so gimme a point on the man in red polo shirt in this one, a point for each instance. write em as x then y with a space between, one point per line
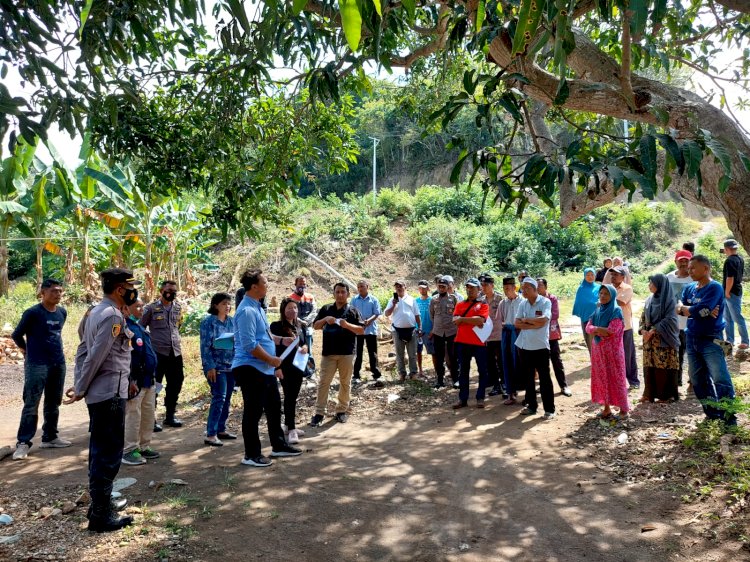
467 315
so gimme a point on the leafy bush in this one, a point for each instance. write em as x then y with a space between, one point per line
449 246
191 323
511 248
463 202
393 203
21 296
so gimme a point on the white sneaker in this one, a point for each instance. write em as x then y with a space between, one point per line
292 438
300 432
284 428
21 452
56 443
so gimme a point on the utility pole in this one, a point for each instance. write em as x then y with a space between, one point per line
374 166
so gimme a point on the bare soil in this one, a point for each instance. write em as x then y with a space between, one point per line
407 478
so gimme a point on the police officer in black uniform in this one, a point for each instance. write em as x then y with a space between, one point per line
101 377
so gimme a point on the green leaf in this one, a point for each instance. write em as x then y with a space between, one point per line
480 14
563 92
470 84
745 160
85 16
238 11
648 155
351 20
659 11
378 8
509 103
528 21
721 154
11 207
615 174
724 183
673 149
298 6
638 16
411 8
456 172
693 154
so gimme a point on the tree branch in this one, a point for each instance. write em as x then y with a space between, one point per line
736 5
627 87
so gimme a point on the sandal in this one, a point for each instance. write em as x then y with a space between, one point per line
509 401
603 416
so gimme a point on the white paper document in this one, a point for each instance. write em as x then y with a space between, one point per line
289 349
484 332
300 360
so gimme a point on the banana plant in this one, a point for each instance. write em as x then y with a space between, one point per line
35 221
13 172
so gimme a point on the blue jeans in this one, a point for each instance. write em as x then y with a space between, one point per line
221 397
709 375
732 316
41 379
465 352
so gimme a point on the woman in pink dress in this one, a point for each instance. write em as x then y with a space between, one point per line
609 386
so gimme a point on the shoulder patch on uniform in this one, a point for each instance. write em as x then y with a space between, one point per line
116 328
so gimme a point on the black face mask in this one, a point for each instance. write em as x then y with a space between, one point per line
168 295
130 296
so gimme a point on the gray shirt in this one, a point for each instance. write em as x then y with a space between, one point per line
441 313
103 356
164 325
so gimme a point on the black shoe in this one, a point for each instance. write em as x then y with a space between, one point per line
317 420
439 385
173 422
287 451
356 381
378 384
157 428
341 417
226 435
109 524
118 504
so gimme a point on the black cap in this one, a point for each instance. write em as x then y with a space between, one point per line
509 281
423 283
486 278
118 275
731 243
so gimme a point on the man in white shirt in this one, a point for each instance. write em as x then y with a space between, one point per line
405 318
678 279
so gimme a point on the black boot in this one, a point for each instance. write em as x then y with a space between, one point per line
118 504
102 519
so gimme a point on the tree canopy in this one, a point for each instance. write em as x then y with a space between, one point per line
553 80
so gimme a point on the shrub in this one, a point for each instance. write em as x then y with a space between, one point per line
22 295
463 202
512 248
393 203
450 246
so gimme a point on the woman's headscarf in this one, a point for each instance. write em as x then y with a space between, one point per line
587 296
660 312
605 313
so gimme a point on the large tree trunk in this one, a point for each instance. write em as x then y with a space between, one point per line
687 113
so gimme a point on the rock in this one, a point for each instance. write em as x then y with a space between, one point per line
5 451
84 498
68 507
177 482
463 547
5 519
45 512
122 483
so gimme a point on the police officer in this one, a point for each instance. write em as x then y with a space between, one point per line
163 317
101 377
444 331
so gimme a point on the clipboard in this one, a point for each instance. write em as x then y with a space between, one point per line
225 341
484 332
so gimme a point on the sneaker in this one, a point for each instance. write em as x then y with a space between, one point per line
260 461
173 422
356 381
549 415
226 435
377 384
158 427
528 412
133 458
317 420
56 443
480 403
287 451
292 438
149 454
456 384
438 385
566 392
341 417
21 452
458 405
213 441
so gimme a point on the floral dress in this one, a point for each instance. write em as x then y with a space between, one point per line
608 382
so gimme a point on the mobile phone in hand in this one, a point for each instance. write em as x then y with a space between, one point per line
395 297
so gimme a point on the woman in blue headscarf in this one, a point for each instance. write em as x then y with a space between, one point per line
584 304
661 342
609 386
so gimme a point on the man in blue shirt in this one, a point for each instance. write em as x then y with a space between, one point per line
255 368
369 309
703 304
39 337
424 342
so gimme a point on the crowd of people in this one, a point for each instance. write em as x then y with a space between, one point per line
128 349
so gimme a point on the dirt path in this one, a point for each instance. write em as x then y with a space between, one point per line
396 483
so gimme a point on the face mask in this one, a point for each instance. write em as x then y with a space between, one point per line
168 296
299 290
130 296
133 318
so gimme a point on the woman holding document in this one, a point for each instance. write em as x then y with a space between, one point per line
217 353
291 326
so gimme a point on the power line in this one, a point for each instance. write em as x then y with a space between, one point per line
93 235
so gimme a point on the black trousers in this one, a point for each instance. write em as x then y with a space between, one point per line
557 364
291 383
444 346
537 360
260 393
683 344
107 428
170 367
495 364
372 353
